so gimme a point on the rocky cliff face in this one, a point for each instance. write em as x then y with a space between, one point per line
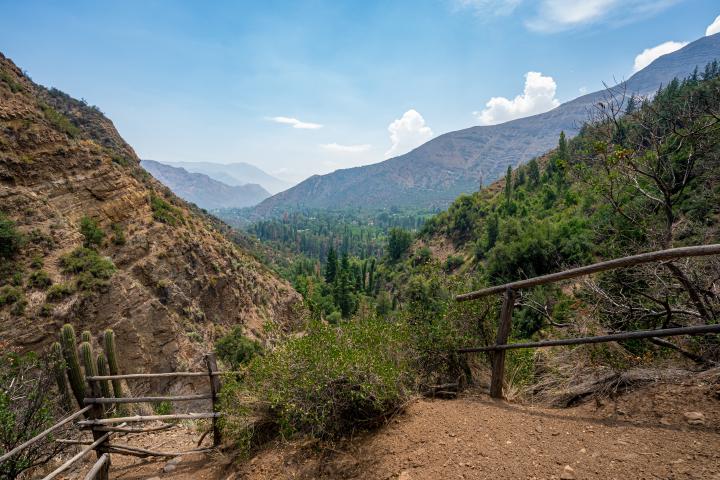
178 284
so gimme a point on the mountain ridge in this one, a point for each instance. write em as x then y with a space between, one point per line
435 173
234 174
204 191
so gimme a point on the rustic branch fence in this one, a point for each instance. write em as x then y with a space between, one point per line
103 426
509 293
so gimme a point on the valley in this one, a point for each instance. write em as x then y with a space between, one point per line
210 320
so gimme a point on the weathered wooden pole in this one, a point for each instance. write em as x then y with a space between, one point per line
498 357
211 363
97 413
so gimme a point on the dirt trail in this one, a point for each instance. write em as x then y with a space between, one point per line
642 435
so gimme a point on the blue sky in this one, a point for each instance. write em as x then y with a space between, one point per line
307 87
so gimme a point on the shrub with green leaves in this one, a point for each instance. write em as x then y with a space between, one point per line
92 234
60 121
59 291
236 349
10 239
164 212
326 383
92 269
10 295
39 279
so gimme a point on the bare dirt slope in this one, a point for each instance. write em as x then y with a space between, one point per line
644 434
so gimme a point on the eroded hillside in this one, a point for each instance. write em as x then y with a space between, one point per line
177 283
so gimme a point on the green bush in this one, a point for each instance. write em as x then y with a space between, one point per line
93 235
324 384
59 291
92 269
236 349
10 295
10 239
118 234
399 240
452 263
164 212
39 279
60 121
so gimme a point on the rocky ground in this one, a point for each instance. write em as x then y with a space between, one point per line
664 430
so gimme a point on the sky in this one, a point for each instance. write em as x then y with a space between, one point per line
307 87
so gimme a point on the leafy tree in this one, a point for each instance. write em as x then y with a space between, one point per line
399 242
508 184
236 349
533 173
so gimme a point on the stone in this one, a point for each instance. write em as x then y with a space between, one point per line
568 473
694 418
404 475
169 467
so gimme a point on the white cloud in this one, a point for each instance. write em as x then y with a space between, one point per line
537 97
408 132
489 7
296 123
647 56
337 148
558 15
714 27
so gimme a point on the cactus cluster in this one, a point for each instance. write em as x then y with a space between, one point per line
68 357
58 366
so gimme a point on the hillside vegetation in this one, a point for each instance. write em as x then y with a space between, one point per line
641 175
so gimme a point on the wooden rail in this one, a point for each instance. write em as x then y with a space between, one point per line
102 428
509 289
660 255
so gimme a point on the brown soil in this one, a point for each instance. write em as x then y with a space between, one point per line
643 434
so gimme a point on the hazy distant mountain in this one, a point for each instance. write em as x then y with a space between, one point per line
203 191
437 172
235 174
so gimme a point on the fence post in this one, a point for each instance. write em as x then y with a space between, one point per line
211 363
98 412
498 357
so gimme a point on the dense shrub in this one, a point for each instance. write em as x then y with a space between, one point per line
10 295
399 240
118 234
10 238
92 269
164 212
92 234
59 291
39 279
236 349
326 383
60 121
27 407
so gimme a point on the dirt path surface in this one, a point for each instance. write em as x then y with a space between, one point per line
664 431
644 435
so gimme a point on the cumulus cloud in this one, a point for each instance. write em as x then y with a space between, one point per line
558 15
338 148
489 7
714 27
296 123
647 56
407 132
537 97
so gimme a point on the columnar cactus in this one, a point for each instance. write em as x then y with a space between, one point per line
109 341
72 362
103 370
86 336
88 359
58 366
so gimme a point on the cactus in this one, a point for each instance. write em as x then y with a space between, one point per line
72 362
58 366
86 336
88 359
109 340
102 368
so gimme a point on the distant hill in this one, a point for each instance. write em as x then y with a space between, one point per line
203 191
435 173
235 174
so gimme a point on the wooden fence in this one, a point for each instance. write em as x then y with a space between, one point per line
104 427
509 292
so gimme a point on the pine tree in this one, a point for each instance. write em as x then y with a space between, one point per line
534 173
331 266
493 229
562 148
508 184
371 278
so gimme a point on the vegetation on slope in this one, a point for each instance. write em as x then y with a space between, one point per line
641 176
